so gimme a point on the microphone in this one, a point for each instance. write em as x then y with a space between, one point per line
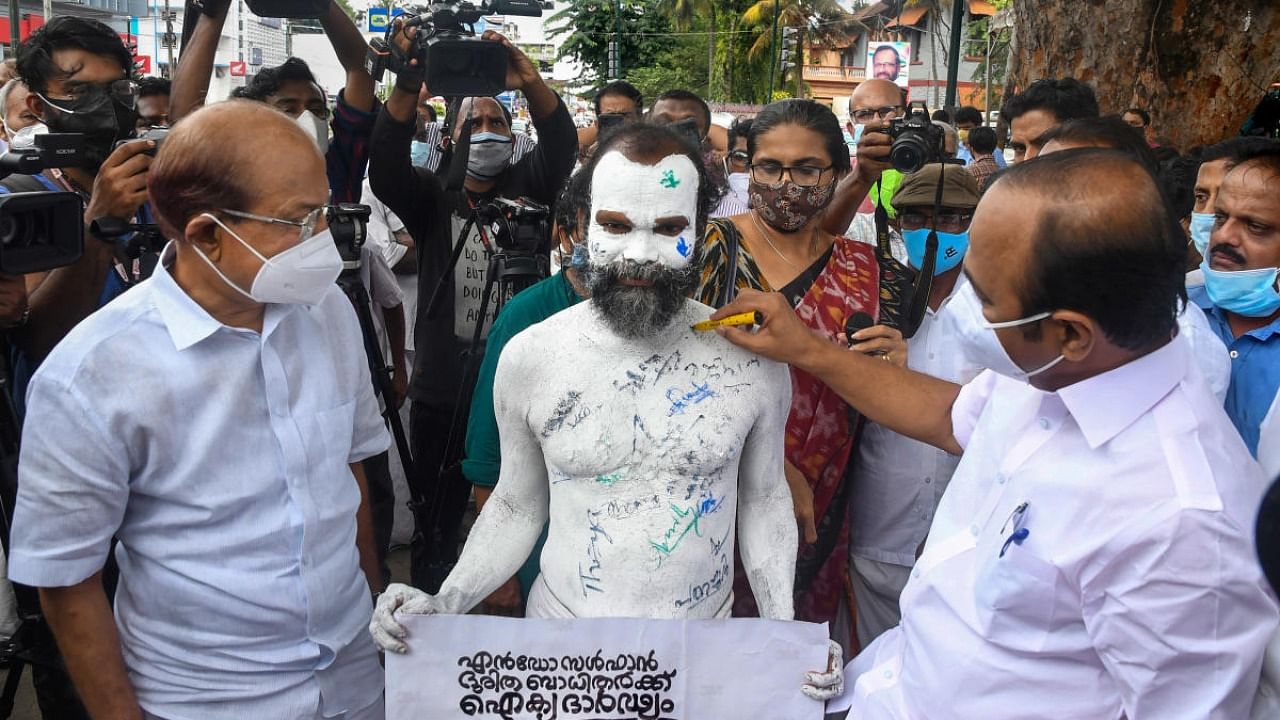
857 322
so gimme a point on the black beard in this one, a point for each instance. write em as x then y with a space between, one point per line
637 312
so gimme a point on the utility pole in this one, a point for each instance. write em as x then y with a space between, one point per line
953 63
48 10
14 37
169 37
773 49
615 55
986 106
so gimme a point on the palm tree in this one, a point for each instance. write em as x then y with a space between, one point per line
682 13
822 23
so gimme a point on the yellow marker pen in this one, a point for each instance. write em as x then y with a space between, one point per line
754 317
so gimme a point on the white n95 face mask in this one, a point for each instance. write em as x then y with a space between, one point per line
300 275
315 127
978 340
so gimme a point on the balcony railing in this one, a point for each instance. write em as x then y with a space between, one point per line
834 73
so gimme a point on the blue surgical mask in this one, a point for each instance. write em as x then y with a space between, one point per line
1251 293
1201 229
419 152
951 248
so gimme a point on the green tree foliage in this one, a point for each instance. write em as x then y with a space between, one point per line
590 25
683 64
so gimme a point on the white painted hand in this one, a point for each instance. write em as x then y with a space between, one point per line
830 684
388 634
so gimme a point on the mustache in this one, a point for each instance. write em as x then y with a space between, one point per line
1228 252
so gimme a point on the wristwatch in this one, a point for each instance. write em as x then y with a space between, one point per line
26 315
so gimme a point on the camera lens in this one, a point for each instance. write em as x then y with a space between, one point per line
19 231
908 154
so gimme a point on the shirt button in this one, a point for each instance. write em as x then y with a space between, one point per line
1000 479
928 480
973 530
888 674
915 573
1235 354
931 356
1044 423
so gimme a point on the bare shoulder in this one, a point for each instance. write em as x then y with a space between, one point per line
712 344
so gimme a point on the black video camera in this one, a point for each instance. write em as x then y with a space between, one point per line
348 223
457 64
155 134
41 230
519 226
916 140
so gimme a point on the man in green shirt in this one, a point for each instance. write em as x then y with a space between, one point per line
483 452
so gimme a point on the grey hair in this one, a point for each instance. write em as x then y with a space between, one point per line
4 96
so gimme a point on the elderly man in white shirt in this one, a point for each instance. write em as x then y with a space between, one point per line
1092 557
213 420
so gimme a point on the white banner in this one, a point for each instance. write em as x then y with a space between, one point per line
476 666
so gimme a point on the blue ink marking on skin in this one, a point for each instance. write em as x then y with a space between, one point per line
680 402
589 578
683 248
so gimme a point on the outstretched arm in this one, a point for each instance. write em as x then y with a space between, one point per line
907 402
767 535
350 47
191 79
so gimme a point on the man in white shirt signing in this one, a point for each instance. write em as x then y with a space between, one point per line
1092 557
213 420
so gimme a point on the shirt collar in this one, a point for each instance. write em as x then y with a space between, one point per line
1200 296
186 321
1106 404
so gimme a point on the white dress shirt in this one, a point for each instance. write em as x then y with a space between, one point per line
897 481
382 228
1135 590
219 458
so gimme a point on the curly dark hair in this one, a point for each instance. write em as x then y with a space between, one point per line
269 80
35 56
149 86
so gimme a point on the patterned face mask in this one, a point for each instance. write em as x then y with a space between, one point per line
788 207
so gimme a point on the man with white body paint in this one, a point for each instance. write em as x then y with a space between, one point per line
651 448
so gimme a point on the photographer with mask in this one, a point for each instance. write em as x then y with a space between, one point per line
435 217
80 77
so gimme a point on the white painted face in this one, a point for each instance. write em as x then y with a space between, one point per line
643 213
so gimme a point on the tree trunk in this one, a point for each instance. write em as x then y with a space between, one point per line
731 58
1198 67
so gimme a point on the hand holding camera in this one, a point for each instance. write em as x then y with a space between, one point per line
13 300
121 185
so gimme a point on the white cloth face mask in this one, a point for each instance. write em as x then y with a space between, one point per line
299 275
643 194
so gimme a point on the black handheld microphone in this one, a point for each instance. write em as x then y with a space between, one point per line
857 322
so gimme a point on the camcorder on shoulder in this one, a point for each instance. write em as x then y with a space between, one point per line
40 229
916 140
457 64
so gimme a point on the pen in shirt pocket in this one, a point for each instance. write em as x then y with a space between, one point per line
1018 521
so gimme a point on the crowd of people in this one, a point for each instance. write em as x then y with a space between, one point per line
1004 425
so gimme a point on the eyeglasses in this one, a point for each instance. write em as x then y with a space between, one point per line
124 92
739 156
306 226
879 113
948 220
770 173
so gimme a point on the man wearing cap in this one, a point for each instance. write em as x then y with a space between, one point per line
897 481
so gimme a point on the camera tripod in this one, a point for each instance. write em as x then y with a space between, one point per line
506 275
379 372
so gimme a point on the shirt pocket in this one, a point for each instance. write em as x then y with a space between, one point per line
1016 599
329 433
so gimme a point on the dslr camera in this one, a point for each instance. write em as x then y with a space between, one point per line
916 140
41 230
457 64
521 227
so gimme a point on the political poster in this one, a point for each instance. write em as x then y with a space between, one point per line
889 61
